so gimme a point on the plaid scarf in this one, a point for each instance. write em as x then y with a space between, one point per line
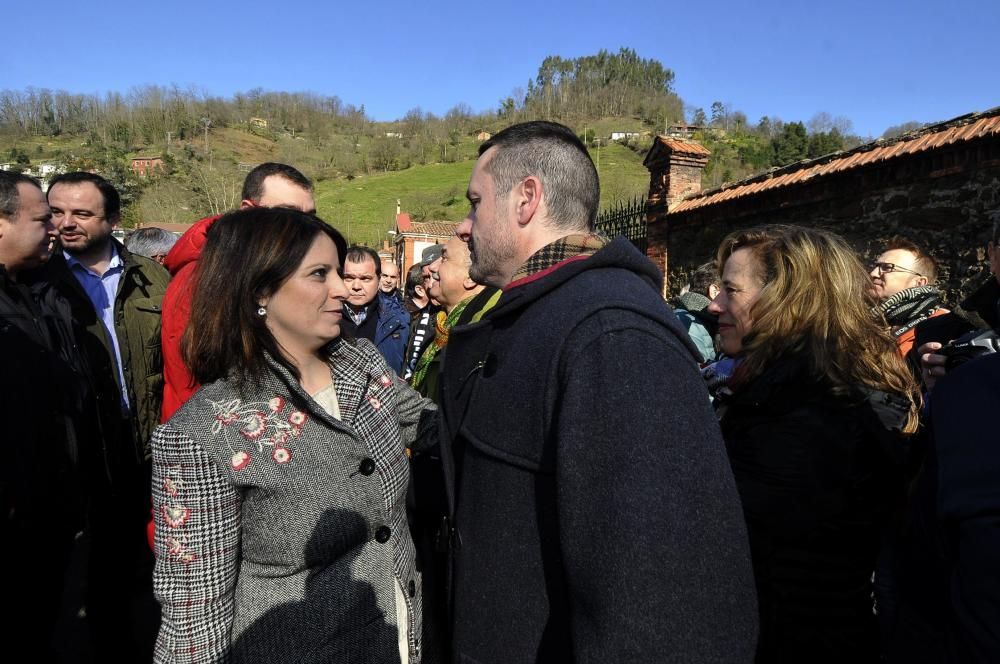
560 250
908 307
443 326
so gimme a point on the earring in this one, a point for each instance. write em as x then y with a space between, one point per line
261 311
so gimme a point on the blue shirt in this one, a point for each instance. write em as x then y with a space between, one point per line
102 289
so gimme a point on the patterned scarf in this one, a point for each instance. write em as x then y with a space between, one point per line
904 310
558 251
443 326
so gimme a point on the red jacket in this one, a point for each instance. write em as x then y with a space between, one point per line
178 384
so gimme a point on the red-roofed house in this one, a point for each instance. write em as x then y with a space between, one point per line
412 237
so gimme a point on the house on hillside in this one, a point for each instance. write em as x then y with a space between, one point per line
938 185
623 135
483 136
412 237
143 166
44 171
393 134
260 123
682 130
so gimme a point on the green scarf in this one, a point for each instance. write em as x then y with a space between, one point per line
439 342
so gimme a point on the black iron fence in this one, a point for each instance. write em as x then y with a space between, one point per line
626 218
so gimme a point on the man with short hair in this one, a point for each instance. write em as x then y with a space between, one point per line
268 185
414 291
389 280
591 502
153 243
904 279
422 320
367 315
116 299
45 399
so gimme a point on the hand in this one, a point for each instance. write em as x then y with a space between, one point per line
931 364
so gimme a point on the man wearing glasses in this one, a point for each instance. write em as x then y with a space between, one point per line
904 281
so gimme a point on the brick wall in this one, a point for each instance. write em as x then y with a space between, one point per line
946 199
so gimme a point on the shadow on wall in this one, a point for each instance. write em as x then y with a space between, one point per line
338 621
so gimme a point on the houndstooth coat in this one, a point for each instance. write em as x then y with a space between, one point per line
280 531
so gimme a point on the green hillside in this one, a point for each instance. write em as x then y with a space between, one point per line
365 207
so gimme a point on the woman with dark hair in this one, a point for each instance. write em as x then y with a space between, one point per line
279 487
814 418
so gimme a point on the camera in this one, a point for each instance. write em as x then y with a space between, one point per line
968 347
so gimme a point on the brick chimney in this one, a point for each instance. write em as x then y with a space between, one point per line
675 168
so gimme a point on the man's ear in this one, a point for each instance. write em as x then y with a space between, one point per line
713 291
114 220
247 203
528 197
922 281
468 283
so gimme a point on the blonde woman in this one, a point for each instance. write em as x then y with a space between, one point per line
814 422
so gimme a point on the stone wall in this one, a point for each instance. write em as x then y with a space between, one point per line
945 199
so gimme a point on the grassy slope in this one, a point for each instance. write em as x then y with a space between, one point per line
365 207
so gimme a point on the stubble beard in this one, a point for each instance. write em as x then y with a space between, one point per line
485 266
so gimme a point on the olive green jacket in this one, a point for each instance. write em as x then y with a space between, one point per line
137 314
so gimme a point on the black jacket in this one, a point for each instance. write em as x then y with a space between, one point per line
947 574
595 516
819 476
46 410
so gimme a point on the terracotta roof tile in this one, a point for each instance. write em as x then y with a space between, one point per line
683 147
957 130
435 228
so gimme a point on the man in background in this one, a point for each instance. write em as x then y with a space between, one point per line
423 319
389 281
153 243
116 299
267 185
368 315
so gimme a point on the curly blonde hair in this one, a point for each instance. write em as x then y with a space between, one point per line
817 301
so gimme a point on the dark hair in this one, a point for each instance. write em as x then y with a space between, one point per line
556 156
248 255
253 185
150 242
112 201
923 261
357 253
705 275
10 200
414 278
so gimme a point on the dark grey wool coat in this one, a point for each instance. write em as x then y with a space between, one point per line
596 515
281 531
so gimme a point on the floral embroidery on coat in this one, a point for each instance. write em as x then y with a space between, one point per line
264 423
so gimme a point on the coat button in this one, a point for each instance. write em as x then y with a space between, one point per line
383 534
367 467
412 588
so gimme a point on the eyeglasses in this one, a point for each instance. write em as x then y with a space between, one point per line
886 268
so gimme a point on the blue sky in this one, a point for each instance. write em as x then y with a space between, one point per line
877 62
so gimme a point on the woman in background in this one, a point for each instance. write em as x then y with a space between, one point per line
814 418
279 487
